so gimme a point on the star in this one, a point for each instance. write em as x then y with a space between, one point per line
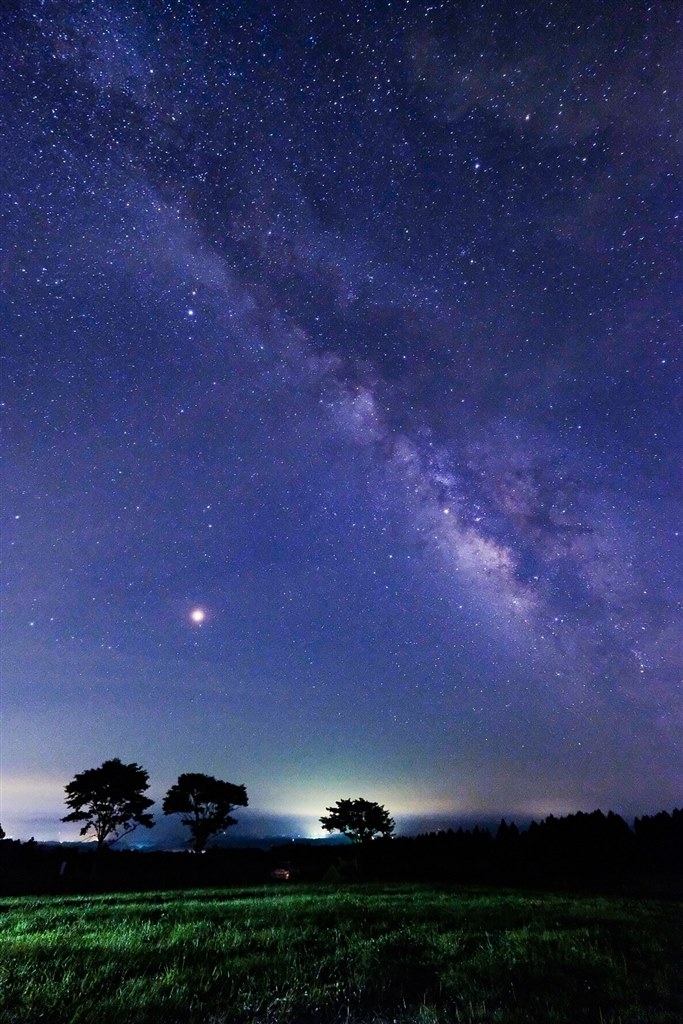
197 615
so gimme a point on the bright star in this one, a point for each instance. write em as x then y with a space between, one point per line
198 615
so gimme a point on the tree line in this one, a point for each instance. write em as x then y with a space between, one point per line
110 802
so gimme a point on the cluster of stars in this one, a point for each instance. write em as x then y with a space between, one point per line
355 325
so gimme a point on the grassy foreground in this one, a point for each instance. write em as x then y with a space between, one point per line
401 953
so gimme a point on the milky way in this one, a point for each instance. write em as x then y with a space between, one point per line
342 378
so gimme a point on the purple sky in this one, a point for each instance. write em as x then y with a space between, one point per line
354 327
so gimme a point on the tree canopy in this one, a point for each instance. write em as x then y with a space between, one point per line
109 800
205 805
360 820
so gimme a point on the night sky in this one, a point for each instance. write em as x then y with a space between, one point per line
352 329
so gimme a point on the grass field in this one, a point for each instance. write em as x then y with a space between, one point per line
400 953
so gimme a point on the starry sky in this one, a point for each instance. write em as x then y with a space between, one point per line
354 330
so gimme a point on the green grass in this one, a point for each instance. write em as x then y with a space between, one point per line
400 953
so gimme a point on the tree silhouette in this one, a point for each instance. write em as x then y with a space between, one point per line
360 820
109 800
205 805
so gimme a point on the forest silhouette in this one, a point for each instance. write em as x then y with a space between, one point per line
594 850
